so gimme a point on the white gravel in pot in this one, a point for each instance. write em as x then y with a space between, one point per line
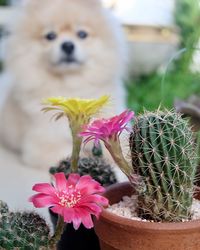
127 208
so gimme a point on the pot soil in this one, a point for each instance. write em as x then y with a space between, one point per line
116 232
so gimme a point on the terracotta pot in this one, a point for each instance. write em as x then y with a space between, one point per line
116 232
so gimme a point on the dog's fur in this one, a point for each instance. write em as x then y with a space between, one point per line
37 72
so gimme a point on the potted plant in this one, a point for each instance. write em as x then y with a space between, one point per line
162 176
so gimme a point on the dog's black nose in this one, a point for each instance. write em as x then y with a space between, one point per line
68 47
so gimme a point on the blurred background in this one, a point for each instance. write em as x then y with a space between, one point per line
163 43
163 69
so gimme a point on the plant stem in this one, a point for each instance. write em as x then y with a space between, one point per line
115 150
77 141
58 233
75 154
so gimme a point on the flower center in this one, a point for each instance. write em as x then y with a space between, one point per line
69 198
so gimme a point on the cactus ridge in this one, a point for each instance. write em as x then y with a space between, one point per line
164 155
24 231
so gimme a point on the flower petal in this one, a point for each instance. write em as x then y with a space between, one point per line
60 181
44 188
86 219
68 214
71 215
58 210
92 208
77 218
89 186
42 200
73 179
95 198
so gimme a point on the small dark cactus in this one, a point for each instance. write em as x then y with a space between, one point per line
95 166
164 155
23 230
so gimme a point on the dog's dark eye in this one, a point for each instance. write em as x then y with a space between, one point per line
51 36
82 34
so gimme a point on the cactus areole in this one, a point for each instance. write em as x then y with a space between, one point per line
164 155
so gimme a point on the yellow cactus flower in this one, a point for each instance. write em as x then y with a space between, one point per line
78 111
75 108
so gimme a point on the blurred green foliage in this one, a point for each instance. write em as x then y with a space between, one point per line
150 91
187 17
3 2
178 81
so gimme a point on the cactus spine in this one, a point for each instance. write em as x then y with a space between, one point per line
22 230
164 155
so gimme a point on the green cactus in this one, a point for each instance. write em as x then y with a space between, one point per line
165 157
24 231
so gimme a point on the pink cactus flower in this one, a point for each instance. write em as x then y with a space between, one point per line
109 130
105 129
75 198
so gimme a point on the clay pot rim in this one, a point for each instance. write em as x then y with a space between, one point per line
110 217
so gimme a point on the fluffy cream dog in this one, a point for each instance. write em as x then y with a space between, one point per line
70 48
